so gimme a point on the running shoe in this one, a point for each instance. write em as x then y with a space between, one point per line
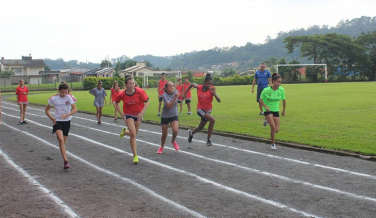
261 113
122 134
159 115
209 143
24 122
265 122
135 160
176 146
190 136
20 123
116 120
66 165
274 147
160 150
189 113
99 123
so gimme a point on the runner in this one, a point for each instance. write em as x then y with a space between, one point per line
205 95
61 123
22 91
100 95
180 89
270 98
135 103
74 99
188 96
170 115
161 84
114 92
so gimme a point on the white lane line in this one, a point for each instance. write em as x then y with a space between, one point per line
239 149
312 185
143 188
255 197
43 189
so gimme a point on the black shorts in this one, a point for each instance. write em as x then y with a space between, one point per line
131 117
166 121
188 101
201 113
160 99
275 114
180 101
63 126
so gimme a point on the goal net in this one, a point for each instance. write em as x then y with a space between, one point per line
303 65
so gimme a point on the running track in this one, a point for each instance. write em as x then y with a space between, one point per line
233 178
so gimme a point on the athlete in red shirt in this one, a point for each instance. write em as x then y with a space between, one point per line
22 91
180 88
135 103
205 95
114 92
161 85
187 96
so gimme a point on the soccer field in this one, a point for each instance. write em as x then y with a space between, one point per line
338 116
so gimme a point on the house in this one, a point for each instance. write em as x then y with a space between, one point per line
26 68
100 72
140 69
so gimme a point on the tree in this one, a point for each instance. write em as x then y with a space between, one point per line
6 73
190 75
228 72
105 63
128 63
47 68
368 42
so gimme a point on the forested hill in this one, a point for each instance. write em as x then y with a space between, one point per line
253 54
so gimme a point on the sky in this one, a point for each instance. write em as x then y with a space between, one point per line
91 30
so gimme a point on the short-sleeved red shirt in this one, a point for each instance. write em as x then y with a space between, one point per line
161 86
22 98
180 90
205 99
114 93
188 96
134 103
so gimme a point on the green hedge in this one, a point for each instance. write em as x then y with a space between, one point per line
42 87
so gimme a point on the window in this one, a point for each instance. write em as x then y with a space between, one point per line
17 70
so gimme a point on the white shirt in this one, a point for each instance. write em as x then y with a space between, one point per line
62 106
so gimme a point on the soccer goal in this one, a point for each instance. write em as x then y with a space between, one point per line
145 81
303 65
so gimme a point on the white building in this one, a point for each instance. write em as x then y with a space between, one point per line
25 68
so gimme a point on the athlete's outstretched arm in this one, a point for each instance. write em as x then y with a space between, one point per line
215 94
193 85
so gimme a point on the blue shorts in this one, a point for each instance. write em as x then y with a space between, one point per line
201 113
131 117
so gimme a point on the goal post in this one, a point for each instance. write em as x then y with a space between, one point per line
145 81
291 65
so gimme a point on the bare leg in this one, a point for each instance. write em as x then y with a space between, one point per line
200 127
97 108
100 113
260 106
189 107
21 113
164 134
133 129
115 117
272 125
175 130
181 107
211 120
62 139
24 111
159 107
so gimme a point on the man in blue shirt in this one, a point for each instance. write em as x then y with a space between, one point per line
263 79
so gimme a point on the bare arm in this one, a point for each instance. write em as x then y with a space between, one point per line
141 114
284 107
117 106
253 84
169 105
193 85
215 95
263 104
47 110
73 111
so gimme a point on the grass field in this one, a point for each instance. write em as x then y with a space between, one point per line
338 116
